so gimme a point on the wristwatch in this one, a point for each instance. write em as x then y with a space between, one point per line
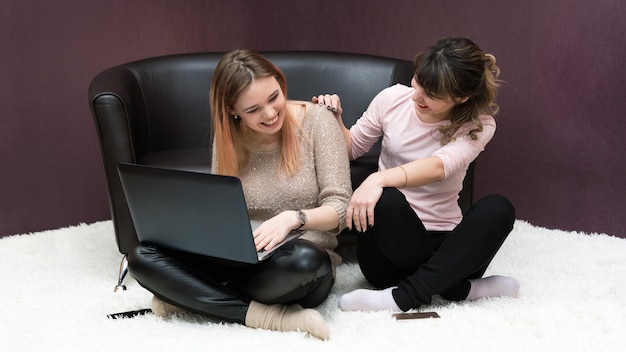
302 217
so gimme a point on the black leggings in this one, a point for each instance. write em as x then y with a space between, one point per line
299 272
399 251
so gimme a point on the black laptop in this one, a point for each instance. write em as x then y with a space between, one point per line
190 211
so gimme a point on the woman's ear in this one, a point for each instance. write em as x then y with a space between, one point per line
461 100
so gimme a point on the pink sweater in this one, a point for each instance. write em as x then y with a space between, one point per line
391 115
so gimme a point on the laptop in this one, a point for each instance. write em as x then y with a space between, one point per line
194 212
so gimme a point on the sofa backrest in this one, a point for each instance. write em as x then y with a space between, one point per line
168 96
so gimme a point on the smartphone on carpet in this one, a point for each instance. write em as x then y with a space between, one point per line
415 315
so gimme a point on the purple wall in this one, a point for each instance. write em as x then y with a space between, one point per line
557 154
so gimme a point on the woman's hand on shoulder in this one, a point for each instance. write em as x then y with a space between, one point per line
332 103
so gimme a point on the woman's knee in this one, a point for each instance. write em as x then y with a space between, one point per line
503 204
140 256
298 271
149 264
390 200
302 257
500 209
142 266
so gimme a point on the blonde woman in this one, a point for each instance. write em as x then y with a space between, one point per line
285 153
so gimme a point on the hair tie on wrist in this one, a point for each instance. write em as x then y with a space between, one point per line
406 177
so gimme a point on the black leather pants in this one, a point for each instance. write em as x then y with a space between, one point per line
299 272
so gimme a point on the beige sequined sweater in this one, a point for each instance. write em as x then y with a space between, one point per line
322 179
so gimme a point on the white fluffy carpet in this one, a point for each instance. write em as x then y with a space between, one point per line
57 288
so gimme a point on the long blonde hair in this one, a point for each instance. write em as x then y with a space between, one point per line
233 74
457 68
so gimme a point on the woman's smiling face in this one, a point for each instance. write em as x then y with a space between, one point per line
428 108
261 106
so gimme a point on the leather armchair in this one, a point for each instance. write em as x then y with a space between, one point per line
156 112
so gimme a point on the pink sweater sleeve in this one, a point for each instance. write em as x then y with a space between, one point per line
458 154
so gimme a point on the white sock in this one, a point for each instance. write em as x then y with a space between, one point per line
493 286
369 300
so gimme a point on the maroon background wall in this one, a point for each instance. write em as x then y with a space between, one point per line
558 154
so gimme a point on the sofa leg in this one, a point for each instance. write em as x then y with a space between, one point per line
122 275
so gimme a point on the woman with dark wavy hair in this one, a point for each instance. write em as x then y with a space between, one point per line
414 241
